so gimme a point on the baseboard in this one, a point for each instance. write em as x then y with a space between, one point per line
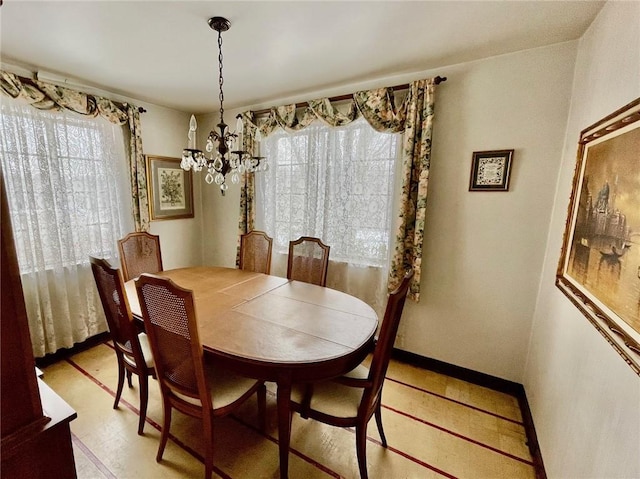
488 381
532 437
63 353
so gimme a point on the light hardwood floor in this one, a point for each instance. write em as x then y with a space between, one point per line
436 426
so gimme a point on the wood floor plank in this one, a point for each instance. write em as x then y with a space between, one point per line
436 427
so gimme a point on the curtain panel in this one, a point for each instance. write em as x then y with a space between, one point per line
247 184
45 96
413 118
68 200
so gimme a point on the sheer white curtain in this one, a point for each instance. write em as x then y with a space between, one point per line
68 194
337 184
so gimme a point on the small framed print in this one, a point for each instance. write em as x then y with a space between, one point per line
490 170
170 189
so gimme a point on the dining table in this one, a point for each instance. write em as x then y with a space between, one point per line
275 329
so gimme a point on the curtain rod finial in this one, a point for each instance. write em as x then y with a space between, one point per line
439 80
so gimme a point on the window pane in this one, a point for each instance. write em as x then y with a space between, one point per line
66 184
332 183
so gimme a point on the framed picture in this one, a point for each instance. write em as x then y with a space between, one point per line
170 189
490 170
599 268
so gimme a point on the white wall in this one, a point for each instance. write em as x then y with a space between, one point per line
164 133
584 398
483 252
220 213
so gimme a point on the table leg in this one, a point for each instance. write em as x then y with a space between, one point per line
284 425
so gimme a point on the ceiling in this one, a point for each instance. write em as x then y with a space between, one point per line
164 52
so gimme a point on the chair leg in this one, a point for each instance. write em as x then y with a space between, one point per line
361 450
166 425
379 423
120 383
129 381
208 455
143 379
262 407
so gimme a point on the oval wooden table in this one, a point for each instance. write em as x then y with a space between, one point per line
274 329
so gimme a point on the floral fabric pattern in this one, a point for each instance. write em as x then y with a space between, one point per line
138 172
247 186
324 110
45 96
414 118
378 107
416 157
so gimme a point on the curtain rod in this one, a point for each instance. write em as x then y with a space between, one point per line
437 80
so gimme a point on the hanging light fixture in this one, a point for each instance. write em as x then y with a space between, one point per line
224 147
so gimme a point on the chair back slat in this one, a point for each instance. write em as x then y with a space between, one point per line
169 317
255 252
387 337
139 253
114 302
308 260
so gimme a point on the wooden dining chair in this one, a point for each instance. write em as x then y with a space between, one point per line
255 252
132 348
308 260
188 382
351 400
140 253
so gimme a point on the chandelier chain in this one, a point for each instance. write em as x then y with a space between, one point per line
221 80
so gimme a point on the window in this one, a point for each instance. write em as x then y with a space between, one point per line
333 183
67 185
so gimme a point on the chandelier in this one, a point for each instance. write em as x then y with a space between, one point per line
224 154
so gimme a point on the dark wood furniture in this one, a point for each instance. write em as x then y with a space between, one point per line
351 400
36 439
308 260
132 348
255 252
186 383
139 253
274 329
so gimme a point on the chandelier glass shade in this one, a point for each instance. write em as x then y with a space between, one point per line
224 155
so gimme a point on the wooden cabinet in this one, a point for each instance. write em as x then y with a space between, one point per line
36 439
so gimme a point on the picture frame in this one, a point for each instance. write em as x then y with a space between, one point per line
599 266
490 170
170 189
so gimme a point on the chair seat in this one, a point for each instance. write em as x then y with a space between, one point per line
332 398
146 352
225 387
359 372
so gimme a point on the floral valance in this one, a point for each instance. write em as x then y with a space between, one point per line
377 106
46 96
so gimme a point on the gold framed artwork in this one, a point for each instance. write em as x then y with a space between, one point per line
490 170
599 268
170 189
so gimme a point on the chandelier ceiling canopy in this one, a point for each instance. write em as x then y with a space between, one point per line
224 149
